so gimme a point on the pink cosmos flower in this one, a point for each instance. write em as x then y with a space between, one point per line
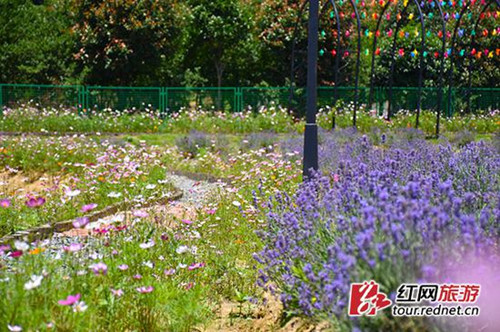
169 272
4 247
164 237
123 267
140 214
88 207
5 203
144 289
16 253
211 211
80 222
188 286
35 202
137 277
73 247
99 268
70 300
117 292
188 222
196 266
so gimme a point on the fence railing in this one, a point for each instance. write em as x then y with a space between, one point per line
171 99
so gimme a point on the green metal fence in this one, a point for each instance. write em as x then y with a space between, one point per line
172 99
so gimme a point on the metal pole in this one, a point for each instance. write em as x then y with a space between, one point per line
311 130
337 62
393 62
421 62
374 50
358 56
441 70
292 61
452 53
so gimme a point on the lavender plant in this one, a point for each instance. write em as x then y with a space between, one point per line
407 211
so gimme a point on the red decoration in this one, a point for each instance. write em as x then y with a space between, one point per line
377 51
473 52
334 53
436 55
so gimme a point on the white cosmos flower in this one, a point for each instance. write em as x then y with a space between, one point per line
182 249
14 328
72 193
151 186
236 203
147 245
148 264
114 194
79 307
23 246
181 266
34 282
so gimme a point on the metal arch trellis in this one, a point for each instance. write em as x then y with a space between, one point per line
374 50
452 47
337 56
472 44
421 61
423 12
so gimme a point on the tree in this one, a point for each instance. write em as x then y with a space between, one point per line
124 42
35 43
220 35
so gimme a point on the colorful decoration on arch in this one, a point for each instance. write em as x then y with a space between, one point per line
452 10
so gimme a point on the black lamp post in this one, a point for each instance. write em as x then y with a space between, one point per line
311 131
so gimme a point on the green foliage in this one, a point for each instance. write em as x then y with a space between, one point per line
124 42
35 42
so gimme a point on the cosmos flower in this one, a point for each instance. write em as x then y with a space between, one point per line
169 272
145 289
88 207
72 193
99 268
22 246
70 300
196 266
79 306
182 249
34 202
5 203
114 195
147 245
14 328
140 214
80 222
123 267
117 292
35 281
73 247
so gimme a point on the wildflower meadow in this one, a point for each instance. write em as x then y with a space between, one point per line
206 223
